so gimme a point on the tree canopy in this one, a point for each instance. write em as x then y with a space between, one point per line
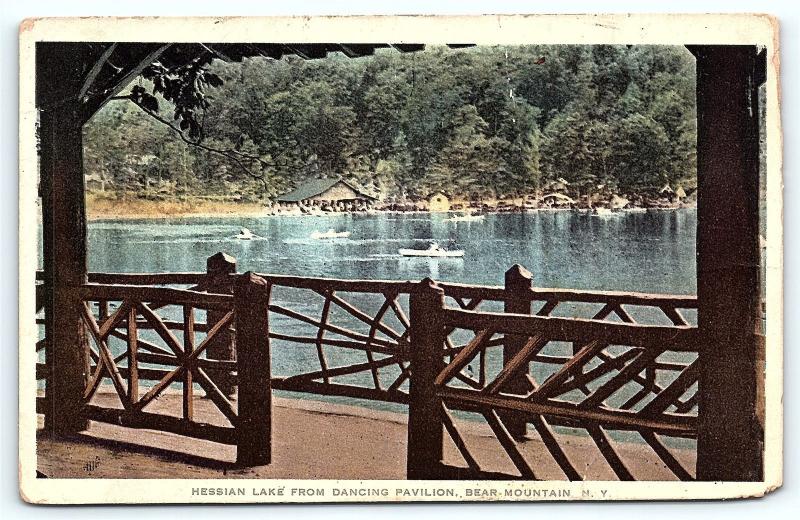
475 122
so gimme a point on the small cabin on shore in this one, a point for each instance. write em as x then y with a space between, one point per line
326 193
438 202
676 195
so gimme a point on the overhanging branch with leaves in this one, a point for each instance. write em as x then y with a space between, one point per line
185 87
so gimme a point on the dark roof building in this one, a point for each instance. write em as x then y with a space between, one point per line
329 190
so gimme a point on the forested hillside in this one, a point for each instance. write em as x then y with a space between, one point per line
480 122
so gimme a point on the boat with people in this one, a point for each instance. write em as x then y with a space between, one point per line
434 251
245 234
331 233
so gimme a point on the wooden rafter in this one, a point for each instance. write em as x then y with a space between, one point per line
98 65
145 54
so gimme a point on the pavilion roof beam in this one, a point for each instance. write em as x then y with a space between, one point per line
291 49
354 50
270 52
760 67
217 53
314 51
130 71
407 47
60 80
760 74
95 70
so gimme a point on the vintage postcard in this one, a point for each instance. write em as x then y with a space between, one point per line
382 259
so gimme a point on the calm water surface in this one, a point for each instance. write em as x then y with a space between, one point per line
653 251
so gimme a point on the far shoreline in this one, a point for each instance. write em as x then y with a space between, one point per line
142 209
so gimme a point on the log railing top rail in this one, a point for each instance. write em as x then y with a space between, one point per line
457 290
684 301
196 299
679 338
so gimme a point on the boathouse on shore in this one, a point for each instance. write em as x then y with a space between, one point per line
325 191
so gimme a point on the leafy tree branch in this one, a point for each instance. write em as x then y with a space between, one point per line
149 105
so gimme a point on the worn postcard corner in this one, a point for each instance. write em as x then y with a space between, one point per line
395 259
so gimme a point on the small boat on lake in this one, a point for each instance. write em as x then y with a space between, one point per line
464 218
245 234
434 251
331 233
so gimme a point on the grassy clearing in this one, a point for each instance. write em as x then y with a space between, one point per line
103 207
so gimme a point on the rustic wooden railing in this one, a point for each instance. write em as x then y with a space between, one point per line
138 322
355 338
363 325
357 329
618 376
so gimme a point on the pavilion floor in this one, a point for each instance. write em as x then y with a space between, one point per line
312 440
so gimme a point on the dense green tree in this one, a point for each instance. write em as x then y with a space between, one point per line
640 155
468 160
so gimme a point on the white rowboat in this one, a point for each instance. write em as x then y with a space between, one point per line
434 251
317 235
245 234
464 218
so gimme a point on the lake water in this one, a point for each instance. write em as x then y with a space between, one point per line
652 251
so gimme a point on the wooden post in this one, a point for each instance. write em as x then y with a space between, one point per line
251 306
730 439
425 426
188 348
133 356
64 233
64 214
223 346
518 289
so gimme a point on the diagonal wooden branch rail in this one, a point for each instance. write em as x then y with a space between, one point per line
106 357
278 309
361 315
353 345
341 371
458 440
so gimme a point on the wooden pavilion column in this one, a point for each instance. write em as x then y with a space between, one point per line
730 439
69 90
58 75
